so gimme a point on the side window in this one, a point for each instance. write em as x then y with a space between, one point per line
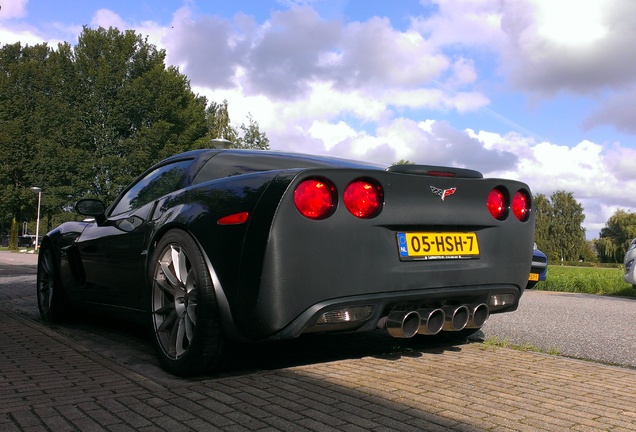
155 184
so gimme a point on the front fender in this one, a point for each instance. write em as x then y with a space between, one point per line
61 242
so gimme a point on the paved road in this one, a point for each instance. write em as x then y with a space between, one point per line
577 325
97 374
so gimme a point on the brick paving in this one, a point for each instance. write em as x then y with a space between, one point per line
51 381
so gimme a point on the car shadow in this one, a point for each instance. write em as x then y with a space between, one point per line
130 345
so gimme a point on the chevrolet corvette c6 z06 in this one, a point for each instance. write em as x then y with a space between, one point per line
220 245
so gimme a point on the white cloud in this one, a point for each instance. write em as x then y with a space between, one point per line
24 34
599 178
331 134
541 56
571 22
618 110
464 22
202 49
107 18
13 29
621 162
13 9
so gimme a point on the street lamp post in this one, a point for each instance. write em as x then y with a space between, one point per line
37 223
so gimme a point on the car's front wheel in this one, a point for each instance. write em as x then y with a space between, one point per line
183 306
50 293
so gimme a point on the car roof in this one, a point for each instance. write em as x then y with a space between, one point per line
277 159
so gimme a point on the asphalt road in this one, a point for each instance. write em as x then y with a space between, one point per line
582 326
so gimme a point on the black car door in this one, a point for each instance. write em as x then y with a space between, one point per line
114 252
113 258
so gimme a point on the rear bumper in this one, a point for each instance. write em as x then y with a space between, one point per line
380 307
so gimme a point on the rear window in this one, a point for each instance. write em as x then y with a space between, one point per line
157 183
231 163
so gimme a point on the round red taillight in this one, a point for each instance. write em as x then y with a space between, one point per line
521 206
363 198
497 204
315 198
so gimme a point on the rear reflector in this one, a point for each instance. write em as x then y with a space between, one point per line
233 219
501 300
352 314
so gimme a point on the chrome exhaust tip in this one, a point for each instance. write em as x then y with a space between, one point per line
403 324
431 321
478 316
456 317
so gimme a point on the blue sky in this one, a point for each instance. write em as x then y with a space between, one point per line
538 90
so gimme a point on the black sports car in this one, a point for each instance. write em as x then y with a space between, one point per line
215 245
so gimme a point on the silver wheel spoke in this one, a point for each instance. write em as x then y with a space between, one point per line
192 315
168 321
189 328
174 301
170 277
165 310
179 333
192 306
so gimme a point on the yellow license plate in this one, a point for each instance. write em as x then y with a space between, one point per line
437 245
534 277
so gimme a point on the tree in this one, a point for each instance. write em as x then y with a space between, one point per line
543 210
404 162
218 122
558 226
615 237
219 126
132 107
24 98
85 120
568 235
252 137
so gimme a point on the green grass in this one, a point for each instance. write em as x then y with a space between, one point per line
589 280
493 342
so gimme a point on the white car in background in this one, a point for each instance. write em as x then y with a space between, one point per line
630 263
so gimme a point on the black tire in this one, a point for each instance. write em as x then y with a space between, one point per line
50 294
183 308
531 285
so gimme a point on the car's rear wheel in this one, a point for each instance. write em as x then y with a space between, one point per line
50 293
183 306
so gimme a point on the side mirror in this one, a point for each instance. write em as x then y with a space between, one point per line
91 207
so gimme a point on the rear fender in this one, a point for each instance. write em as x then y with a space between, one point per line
229 257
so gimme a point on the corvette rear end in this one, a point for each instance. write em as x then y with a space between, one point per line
419 251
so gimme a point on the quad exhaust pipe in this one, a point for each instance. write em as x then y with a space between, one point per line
408 323
403 324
